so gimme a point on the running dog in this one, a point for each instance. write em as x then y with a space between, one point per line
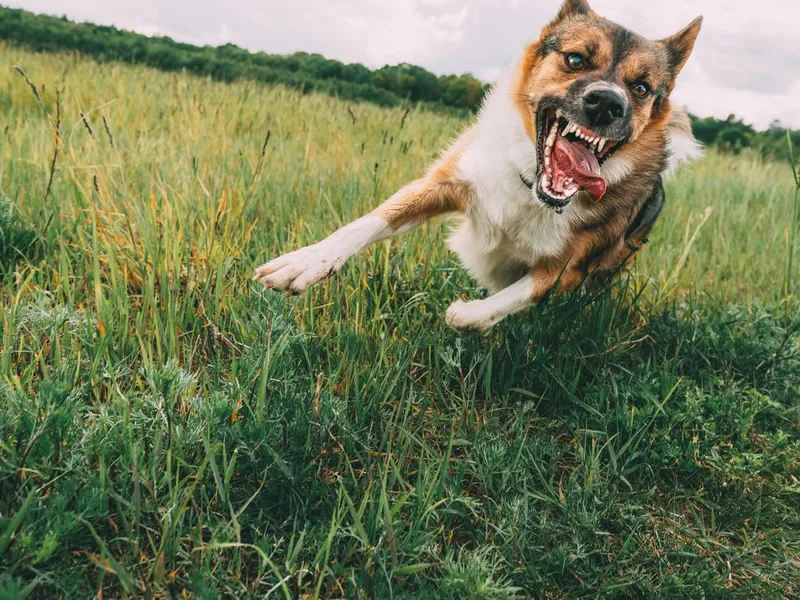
558 179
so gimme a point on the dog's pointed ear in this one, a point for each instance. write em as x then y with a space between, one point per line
571 8
679 46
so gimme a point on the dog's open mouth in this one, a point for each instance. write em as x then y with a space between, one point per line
570 157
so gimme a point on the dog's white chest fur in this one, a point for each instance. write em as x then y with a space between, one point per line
506 229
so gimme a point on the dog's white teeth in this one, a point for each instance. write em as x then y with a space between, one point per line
548 151
558 113
547 161
551 138
601 145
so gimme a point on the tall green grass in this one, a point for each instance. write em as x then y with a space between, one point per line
168 428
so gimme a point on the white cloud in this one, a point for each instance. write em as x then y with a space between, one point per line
454 20
356 23
746 62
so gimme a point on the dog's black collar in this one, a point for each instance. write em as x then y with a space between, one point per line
528 184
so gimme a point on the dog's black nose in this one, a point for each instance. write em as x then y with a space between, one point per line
603 107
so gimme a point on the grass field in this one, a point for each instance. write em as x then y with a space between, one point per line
168 429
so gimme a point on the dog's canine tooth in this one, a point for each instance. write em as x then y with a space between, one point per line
601 145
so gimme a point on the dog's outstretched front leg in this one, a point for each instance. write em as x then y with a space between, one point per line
483 314
296 271
411 206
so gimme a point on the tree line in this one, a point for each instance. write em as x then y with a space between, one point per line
734 135
391 85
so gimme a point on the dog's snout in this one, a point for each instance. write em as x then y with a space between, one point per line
603 107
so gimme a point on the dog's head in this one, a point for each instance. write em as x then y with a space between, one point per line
595 100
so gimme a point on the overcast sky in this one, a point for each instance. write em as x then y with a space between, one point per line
747 59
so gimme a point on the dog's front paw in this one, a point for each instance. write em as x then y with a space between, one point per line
296 271
468 315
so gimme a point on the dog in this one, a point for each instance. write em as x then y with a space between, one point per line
558 179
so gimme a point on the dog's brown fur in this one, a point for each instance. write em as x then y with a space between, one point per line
441 192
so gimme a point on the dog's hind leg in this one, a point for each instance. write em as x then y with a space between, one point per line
438 193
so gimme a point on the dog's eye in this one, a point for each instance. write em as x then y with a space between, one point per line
575 62
640 89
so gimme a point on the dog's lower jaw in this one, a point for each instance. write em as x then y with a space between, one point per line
537 196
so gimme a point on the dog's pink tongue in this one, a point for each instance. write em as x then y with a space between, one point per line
578 162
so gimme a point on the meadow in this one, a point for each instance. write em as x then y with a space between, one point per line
168 429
